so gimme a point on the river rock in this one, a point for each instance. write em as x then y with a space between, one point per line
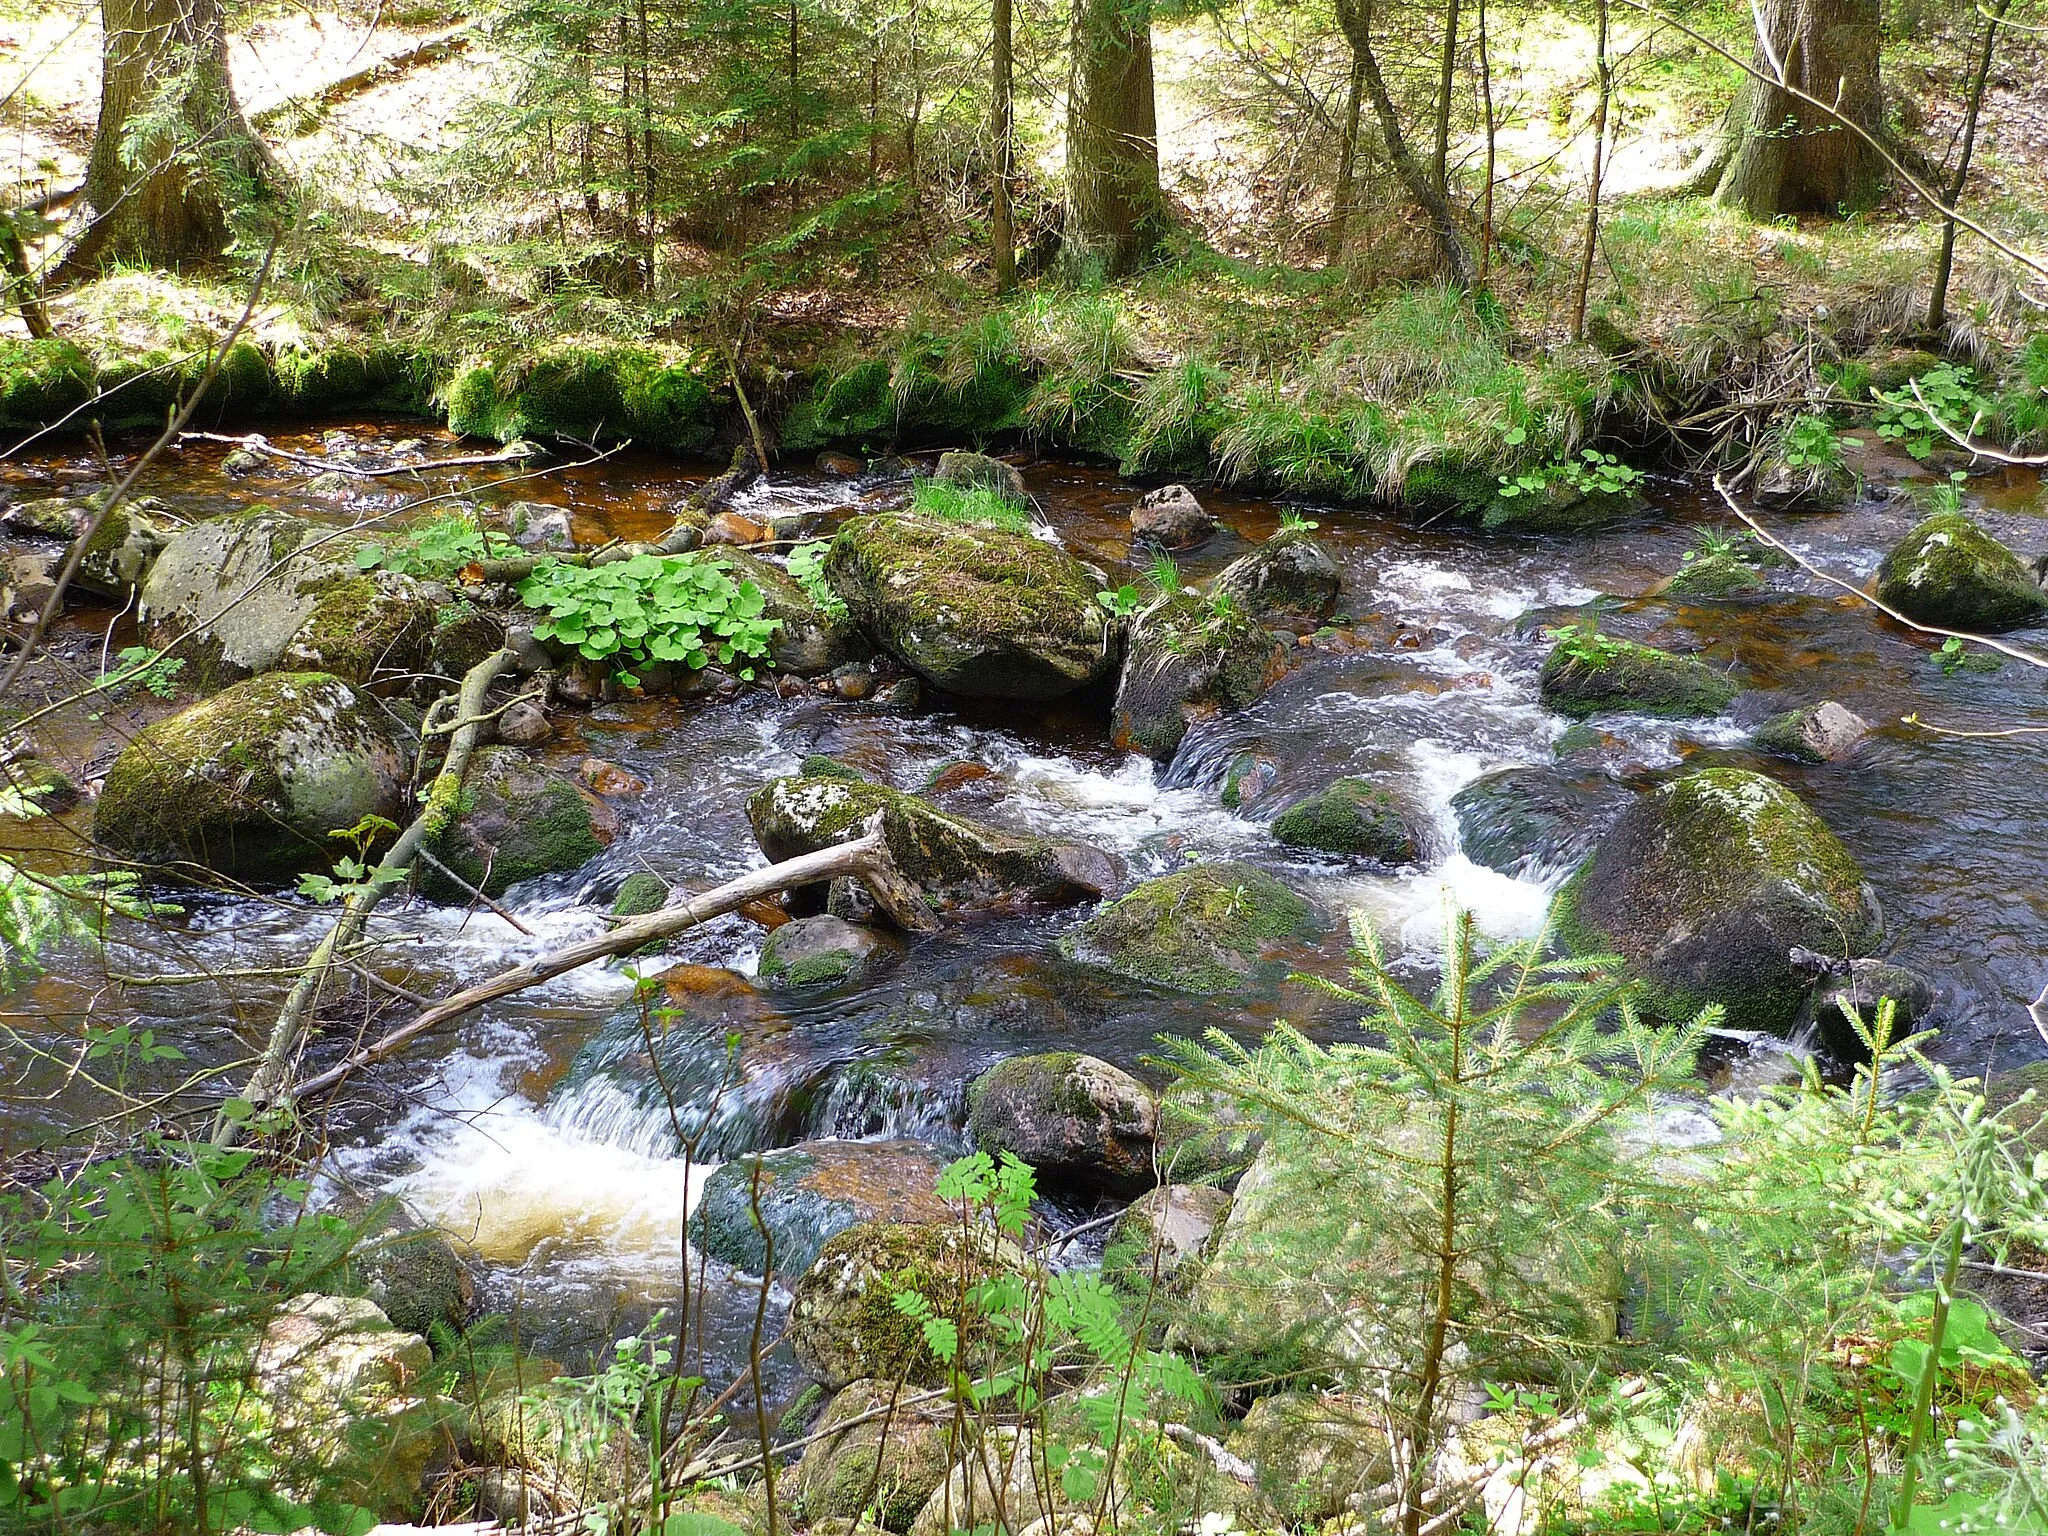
1707 884
954 862
419 1282
27 579
1171 518
1161 1234
1351 816
1627 676
1205 1134
1076 1119
821 951
885 1468
250 782
537 526
1203 929
514 819
1290 576
524 724
1250 774
342 1390
1005 1472
1712 574
1312 1452
980 472
843 1319
640 893
1520 820
977 611
1186 661
1818 733
809 641
123 550
1862 984
1949 572
266 591
811 1192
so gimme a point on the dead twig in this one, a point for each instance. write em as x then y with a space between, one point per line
256 442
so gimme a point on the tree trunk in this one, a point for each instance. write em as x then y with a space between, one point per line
1592 241
163 196
1790 156
1003 129
1944 264
1347 163
1114 210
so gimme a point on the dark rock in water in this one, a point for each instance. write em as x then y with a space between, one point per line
1172 518
1204 929
859 1472
250 782
843 466
821 951
1951 573
1819 733
1290 576
979 472
1249 776
640 893
50 789
1521 820
955 862
514 819
537 526
1185 662
1556 507
420 1282
1311 1454
1160 1235
1351 816
1076 1119
1707 884
977 611
810 1192
1715 576
1862 985
525 724
808 641
1587 674
843 1321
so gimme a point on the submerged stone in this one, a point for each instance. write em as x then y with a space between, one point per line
1521 820
1076 1119
809 1193
1203 929
1352 816
1188 660
1706 885
1949 572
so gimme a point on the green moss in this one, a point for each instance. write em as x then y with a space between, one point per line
1039 1079
1949 572
1201 930
475 408
362 624
1716 576
639 893
859 1273
514 820
40 380
819 766
1626 676
583 390
1351 816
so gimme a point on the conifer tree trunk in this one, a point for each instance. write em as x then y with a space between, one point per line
1114 209
1003 129
1787 155
1347 162
164 198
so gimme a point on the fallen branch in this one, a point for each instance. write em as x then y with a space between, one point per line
866 858
304 109
437 810
256 442
1221 1457
1918 724
1975 449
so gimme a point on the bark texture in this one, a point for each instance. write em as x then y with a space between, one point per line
172 151
1788 155
1114 210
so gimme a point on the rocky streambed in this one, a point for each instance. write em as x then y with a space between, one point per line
1134 803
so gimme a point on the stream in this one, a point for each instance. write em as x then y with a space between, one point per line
537 1130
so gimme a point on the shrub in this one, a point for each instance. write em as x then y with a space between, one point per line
651 608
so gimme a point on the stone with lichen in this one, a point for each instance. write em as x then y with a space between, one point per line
1949 572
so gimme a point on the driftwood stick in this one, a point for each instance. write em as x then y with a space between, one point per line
256 442
427 50
437 809
864 858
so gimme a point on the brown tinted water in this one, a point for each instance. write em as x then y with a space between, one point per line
536 1129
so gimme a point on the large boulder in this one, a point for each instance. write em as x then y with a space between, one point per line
1161 1235
821 951
978 611
1520 820
1311 1453
844 1323
514 819
1188 659
1205 929
954 862
1076 1119
885 1467
1949 572
266 591
808 641
1289 577
809 1193
250 782
420 1282
1352 816
1706 885
1588 673
1171 518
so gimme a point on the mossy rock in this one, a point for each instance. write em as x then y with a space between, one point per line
1160 1237
977 611
1352 816
1250 774
1187 661
1950 573
821 951
810 1192
809 641
420 1283
577 391
954 862
843 1320
1204 929
979 472
352 376
251 782
124 548
41 380
1289 577
1705 886
884 1468
1715 576
514 819
1076 1119
640 893
1637 678
1557 508
1818 733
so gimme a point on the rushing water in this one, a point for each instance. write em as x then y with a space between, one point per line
538 1129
